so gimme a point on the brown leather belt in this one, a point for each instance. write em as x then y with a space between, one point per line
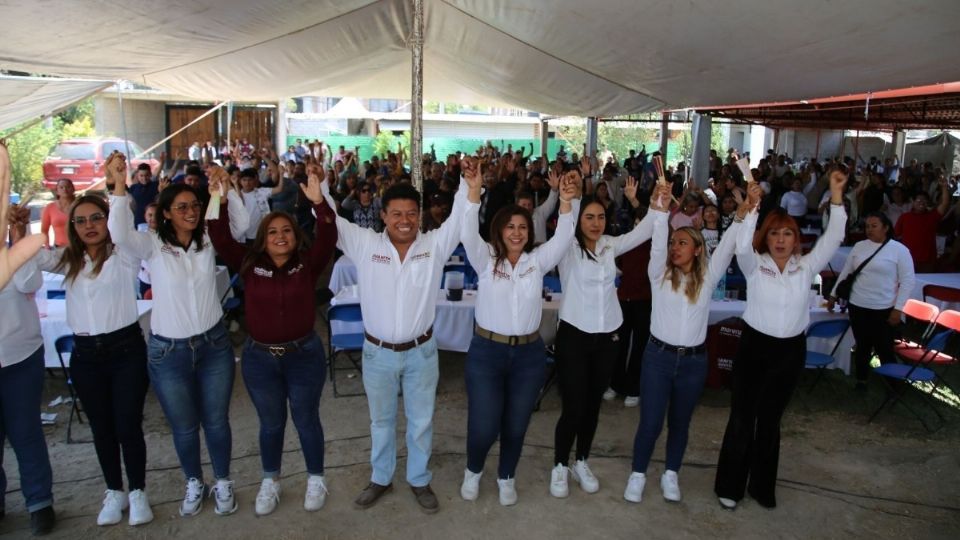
400 347
506 340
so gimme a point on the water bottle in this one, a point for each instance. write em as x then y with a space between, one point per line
720 291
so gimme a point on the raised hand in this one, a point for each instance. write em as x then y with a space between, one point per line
553 179
754 194
660 199
164 183
115 170
571 186
472 174
585 165
313 188
630 189
12 258
838 181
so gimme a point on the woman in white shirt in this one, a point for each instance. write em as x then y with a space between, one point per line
109 361
587 340
189 356
795 201
682 278
878 294
772 346
505 363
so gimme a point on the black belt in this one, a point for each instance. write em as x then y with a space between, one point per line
682 351
400 347
280 349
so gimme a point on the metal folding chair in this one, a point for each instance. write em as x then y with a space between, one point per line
344 343
64 345
830 329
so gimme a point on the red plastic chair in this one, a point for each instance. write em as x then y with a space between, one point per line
918 325
941 293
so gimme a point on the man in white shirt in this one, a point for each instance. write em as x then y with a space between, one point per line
398 272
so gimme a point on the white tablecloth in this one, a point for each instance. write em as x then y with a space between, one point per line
54 324
453 326
343 274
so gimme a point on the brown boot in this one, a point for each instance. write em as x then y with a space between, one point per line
371 494
426 499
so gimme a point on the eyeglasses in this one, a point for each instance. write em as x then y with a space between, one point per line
183 207
93 218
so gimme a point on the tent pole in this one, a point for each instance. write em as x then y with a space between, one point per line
416 98
816 153
664 134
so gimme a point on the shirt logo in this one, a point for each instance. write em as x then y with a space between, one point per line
169 250
295 269
767 272
528 271
381 259
602 251
262 272
500 274
420 256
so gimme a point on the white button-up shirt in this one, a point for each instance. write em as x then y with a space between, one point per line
674 319
399 298
103 303
509 298
589 292
778 303
540 215
185 301
19 319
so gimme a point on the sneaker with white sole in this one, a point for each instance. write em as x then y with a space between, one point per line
609 395
193 499
140 512
558 481
316 494
508 491
670 486
268 497
222 494
635 484
727 504
631 401
470 488
114 503
581 474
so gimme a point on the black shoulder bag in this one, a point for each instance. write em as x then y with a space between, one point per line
845 287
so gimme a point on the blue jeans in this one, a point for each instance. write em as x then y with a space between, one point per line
669 384
503 382
385 372
297 376
193 379
20 389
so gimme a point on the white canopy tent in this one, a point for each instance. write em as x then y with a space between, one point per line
562 57
27 98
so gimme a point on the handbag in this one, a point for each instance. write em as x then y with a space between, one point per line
845 286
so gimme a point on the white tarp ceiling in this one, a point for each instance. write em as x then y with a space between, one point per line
601 57
27 98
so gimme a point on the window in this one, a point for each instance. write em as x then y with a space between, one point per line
73 151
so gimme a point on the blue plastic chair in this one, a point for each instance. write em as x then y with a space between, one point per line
552 283
64 345
831 329
346 344
56 294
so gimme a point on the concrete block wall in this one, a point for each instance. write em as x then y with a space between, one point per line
145 120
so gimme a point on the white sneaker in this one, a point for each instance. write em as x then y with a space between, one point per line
670 486
193 500
267 498
582 475
470 488
222 493
631 401
558 481
634 491
316 494
114 503
508 492
609 395
727 504
140 512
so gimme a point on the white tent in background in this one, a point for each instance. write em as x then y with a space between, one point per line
27 98
561 57
349 108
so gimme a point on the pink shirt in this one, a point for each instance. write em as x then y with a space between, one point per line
53 216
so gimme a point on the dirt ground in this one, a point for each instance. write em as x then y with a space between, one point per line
839 477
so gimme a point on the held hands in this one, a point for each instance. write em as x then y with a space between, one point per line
12 258
570 187
660 199
115 169
754 194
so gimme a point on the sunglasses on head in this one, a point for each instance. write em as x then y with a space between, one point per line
93 218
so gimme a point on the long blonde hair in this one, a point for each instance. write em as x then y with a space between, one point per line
697 273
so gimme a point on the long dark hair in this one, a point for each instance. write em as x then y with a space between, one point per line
165 226
259 246
72 258
499 223
578 233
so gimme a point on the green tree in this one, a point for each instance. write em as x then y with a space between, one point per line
384 142
27 152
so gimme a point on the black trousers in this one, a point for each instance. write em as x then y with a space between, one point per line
872 333
109 372
636 327
584 363
764 376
